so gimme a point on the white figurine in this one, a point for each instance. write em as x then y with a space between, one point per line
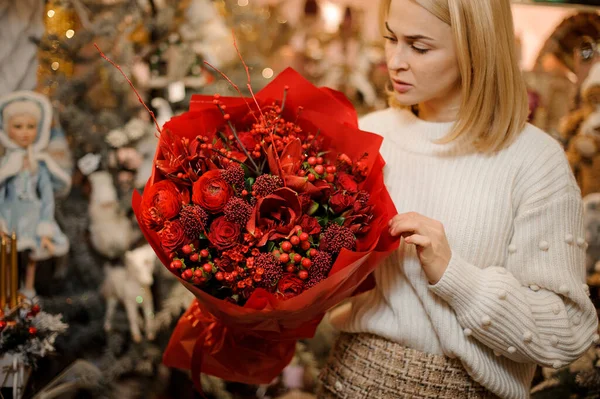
111 231
131 285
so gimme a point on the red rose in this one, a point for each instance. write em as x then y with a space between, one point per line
211 191
340 202
347 182
290 285
172 236
223 234
309 225
162 202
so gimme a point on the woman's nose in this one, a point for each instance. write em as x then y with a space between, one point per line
397 59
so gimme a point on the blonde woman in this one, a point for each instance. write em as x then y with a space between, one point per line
489 278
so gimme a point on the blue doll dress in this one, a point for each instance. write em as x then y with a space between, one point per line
27 207
27 194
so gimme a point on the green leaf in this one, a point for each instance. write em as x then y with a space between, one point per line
340 220
323 153
246 170
249 183
271 246
323 221
203 237
313 208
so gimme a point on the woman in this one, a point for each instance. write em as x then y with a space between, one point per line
489 277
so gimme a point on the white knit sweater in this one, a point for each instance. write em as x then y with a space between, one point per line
514 293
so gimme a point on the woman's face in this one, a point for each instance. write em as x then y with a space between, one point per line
421 56
22 129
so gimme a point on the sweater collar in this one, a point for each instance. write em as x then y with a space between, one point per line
417 135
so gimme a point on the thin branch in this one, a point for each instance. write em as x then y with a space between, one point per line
248 75
130 84
235 87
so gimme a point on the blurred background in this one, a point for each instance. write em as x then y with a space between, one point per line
103 135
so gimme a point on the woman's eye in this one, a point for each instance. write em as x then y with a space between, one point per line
420 50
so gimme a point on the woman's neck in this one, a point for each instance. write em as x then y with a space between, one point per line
440 110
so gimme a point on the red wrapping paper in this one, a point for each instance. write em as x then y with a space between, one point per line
252 344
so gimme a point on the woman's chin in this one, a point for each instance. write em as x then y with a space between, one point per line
405 99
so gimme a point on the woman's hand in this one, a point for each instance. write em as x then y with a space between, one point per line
47 243
429 237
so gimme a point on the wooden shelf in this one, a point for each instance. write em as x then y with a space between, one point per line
576 7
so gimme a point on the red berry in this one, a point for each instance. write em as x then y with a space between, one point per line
297 258
284 258
226 117
219 276
305 245
3 325
295 240
180 175
306 263
320 160
313 252
204 253
290 269
198 273
303 274
32 330
194 257
304 237
244 192
329 169
312 161
330 178
301 173
176 264
286 246
319 169
35 309
207 267
186 249
197 280
311 177
187 274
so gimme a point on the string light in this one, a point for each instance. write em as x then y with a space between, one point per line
70 33
267 73
50 13
242 3
55 66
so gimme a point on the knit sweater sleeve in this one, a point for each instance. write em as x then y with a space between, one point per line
534 308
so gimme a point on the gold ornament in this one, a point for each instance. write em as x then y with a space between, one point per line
60 21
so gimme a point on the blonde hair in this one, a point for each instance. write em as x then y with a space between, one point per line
494 107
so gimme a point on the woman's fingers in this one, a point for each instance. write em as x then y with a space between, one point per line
418 240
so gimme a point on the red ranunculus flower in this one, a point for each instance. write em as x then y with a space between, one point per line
276 215
341 201
290 285
347 182
172 236
309 225
211 191
223 234
162 202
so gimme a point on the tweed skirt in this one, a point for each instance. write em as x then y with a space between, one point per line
366 366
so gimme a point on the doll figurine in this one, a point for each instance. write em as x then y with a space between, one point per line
29 177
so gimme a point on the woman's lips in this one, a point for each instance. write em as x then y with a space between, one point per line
401 87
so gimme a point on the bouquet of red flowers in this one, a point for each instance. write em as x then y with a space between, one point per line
271 210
